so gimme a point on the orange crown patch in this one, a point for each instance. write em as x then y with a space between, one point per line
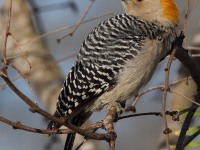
170 10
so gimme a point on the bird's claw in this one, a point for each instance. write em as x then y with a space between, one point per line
117 106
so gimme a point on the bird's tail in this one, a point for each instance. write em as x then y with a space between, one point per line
77 121
52 125
69 141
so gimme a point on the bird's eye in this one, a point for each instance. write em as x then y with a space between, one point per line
139 0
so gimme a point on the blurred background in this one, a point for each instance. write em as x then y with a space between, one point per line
51 61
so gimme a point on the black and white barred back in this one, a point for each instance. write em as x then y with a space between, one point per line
102 56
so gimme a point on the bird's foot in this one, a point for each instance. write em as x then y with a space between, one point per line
117 106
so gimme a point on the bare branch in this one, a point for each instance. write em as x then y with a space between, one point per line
109 126
21 51
166 88
181 140
159 87
7 33
185 20
187 98
63 29
191 138
79 22
62 121
18 125
182 55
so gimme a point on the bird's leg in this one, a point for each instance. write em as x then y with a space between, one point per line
117 106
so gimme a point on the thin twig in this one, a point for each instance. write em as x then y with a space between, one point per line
132 107
174 114
159 87
185 20
3 85
186 16
79 22
191 138
193 68
60 30
166 88
112 145
109 126
63 29
139 114
21 51
187 98
18 125
7 33
23 76
180 144
85 139
62 121
17 55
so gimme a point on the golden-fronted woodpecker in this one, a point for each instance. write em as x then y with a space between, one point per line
116 60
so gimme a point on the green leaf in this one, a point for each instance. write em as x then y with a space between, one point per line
192 130
197 113
193 144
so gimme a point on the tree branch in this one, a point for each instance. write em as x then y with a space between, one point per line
190 138
109 126
62 121
79 22
18 125
182 55
182 137
7 33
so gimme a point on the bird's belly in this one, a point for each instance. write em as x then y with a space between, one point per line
134 76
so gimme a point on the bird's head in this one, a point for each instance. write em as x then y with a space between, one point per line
164 12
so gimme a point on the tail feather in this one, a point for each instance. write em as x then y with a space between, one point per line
77 121
52 125
69 141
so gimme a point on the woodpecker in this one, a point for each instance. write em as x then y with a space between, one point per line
116 60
